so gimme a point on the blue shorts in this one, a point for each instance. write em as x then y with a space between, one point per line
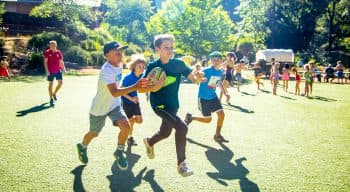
207 107
52 76
340 74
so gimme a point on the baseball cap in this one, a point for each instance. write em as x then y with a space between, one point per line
112 45
215 54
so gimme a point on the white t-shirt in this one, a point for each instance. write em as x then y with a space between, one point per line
104 102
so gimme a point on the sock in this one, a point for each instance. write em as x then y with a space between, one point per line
120 149
84 146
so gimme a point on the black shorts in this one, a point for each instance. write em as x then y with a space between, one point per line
132 109
52 76
207 107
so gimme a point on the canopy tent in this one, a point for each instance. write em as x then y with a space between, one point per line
280 55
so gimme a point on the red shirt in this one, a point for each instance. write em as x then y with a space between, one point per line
53 60
297 77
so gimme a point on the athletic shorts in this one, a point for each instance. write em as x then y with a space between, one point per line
132 109
98 122
340 74
52 76
239 77
207 107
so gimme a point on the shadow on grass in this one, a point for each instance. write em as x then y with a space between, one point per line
221 160
78 183
149 177
127 180
322 98
27 78
285 97
248 94
265 91
236 107
34 109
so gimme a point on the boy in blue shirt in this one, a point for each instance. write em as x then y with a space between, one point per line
208 99
130 101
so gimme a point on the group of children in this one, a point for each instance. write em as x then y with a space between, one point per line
117 98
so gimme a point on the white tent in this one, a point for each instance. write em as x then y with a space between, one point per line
280 55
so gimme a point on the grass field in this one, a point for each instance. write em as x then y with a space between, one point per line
277 143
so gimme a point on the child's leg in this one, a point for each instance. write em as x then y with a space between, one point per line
221 117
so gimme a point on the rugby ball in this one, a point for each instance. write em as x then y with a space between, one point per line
156 74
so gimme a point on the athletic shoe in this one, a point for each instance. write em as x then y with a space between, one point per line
54 97
188 118
82 153
184 170
131 141
52 103
122 162
219 138
149 149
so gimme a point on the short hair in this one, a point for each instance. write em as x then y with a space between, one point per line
53 42
158 39
136 59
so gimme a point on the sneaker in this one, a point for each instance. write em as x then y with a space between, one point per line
184 170
52 103
149 149
54 97
131 141
219 138
188 118
122 162
82 153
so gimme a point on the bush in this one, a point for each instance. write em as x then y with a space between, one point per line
40 41
76 54
98 58
133 49
36 62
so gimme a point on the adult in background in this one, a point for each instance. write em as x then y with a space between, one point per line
340 72
53 63
329 74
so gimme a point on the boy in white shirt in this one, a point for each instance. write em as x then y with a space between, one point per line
107 102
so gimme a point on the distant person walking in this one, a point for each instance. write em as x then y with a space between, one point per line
54 65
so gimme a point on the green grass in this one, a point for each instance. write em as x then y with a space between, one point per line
277 143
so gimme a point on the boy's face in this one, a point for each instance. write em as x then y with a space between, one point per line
166 49
114 56
216 61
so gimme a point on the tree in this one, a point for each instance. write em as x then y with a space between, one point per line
253 23
68 12
292 23
199 28
130 16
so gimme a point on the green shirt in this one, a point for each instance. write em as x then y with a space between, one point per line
167 97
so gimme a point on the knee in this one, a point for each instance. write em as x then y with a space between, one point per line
138 119
123 125
182 129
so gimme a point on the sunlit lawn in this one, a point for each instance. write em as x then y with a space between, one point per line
277 143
